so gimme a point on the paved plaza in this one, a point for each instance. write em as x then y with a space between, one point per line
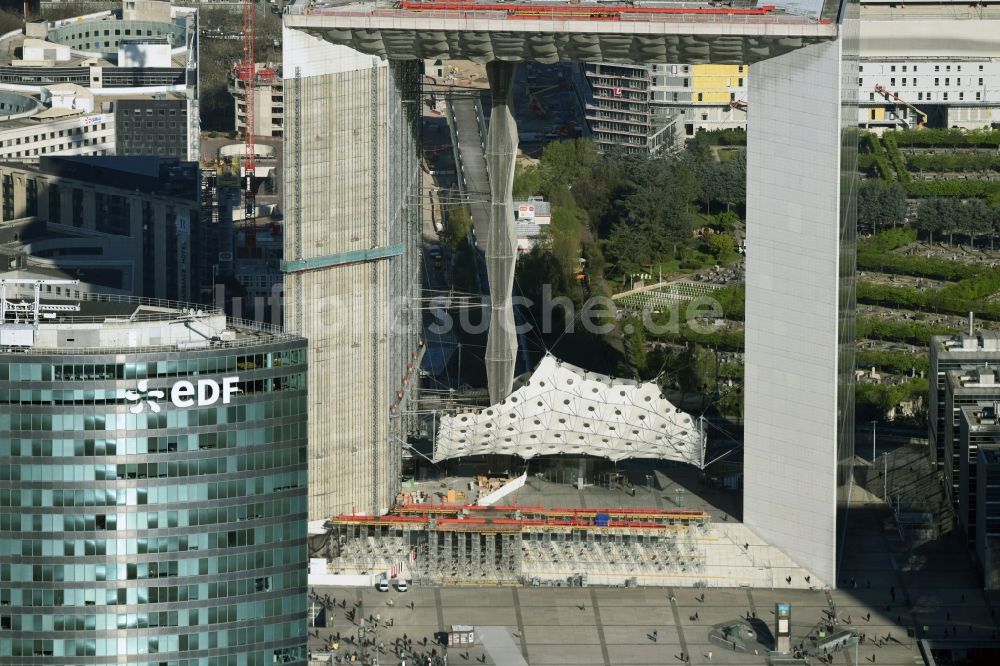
601 626
931 592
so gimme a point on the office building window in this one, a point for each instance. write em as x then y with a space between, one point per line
77 207
55 203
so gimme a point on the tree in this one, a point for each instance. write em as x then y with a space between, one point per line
567 231
528 181
626 248
725 220
635 344
456 227
881 204
994 224
697 371
563 161
723 246
932 216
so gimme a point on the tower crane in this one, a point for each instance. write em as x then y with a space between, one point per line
247 71
893 97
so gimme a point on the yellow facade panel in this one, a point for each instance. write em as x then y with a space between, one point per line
716 70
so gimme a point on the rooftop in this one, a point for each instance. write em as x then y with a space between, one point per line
982 416
963 343
975 377
105 324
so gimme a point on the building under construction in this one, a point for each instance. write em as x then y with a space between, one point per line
351 248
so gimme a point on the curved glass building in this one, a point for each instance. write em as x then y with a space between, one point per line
152 488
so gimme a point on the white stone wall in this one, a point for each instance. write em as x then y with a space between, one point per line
792 305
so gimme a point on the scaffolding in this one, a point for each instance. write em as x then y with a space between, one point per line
510 545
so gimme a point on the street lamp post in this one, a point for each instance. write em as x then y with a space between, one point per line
873 442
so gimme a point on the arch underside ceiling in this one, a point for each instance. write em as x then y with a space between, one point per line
482 47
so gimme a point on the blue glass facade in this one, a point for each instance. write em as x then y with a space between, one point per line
136 531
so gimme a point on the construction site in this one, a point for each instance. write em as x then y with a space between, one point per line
534 532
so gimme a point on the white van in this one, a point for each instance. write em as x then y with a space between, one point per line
401 585
382 585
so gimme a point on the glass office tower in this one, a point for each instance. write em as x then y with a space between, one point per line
152 490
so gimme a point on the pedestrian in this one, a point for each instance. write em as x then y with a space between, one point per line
873 657
655 635
868 618
710 655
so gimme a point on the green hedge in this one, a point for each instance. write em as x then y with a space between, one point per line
953 161
889 240
956 298
895 330
881 162
892 361
875 400
876 254
934 269
952 188
731 341
896 157
722 137
948 137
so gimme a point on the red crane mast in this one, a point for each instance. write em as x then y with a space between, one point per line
247 71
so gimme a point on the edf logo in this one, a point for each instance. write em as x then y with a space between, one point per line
204 393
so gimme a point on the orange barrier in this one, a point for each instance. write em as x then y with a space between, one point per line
613 12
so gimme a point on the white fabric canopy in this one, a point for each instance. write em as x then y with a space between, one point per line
564 409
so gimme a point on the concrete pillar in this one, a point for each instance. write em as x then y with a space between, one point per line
801 229
501 242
